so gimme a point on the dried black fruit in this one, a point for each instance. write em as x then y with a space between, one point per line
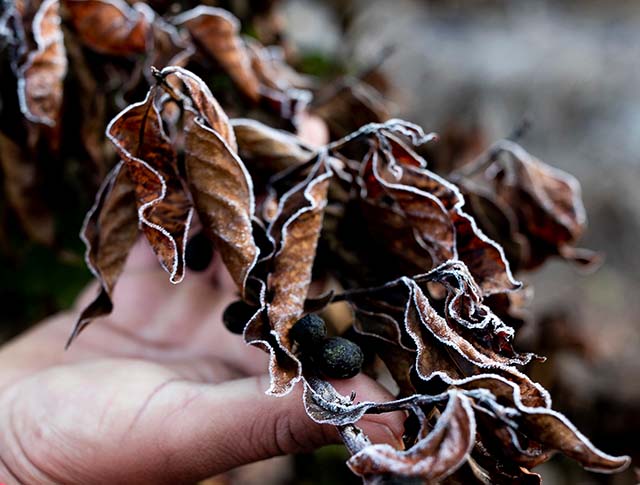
339 358
309 330
199 252
236 316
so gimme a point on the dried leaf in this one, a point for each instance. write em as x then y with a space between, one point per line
166 46
349 104
110 26
164 208
484 258
257 71
427 216
220 184
217 32
109 231
402 196
547 202
470 330
280 85
203 102
464 344
433 457
555 432
41 77
285 273
541 425
267 151
295 230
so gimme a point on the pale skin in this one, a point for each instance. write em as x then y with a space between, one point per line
157 392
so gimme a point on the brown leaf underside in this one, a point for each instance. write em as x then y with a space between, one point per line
109 232
164 207
40 78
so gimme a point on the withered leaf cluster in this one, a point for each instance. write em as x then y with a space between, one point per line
362 208
423 260
68 66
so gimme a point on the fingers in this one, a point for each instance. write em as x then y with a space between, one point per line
208 430
146 425
128 421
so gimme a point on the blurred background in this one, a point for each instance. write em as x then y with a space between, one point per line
473 70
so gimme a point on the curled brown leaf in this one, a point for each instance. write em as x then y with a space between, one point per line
164 207
217 32
547 202
438 454
221 187
401 192
109 27
295 230
109 231
41 77
285 273
266 150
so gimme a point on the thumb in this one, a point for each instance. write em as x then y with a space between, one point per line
145 425
216 428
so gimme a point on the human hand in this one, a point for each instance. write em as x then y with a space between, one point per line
157 392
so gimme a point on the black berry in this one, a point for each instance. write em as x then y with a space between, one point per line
339 358
199 252
236 316
309 330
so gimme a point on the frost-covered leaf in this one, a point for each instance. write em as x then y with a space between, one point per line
432 331
348 104
464 305
220 184
484 257
295 230
41 76
547 202
267 151
164 208
287 272
109 231
438 454
110 27
203 103
424 211
403 197
217 32
468 333
555 432
258 71
536 430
